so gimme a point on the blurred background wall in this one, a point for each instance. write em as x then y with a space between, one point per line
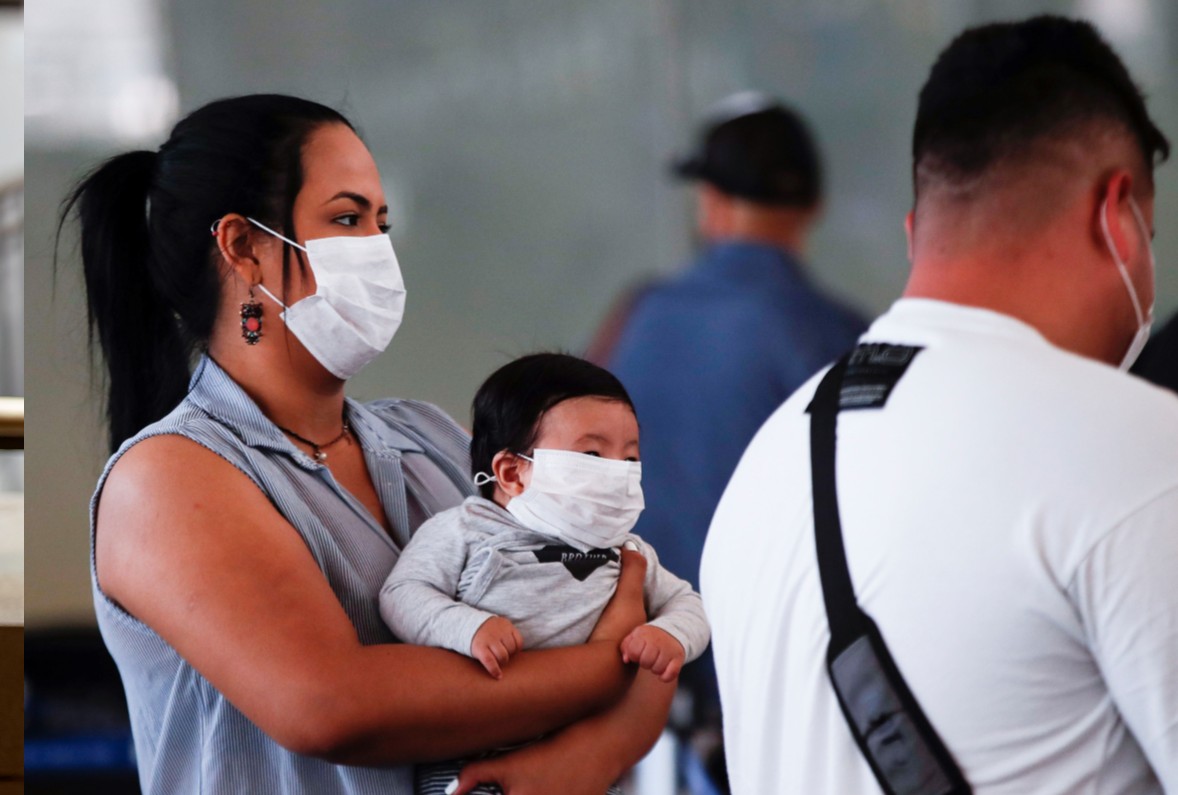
11 386
12 162
11 309
523 146
12 72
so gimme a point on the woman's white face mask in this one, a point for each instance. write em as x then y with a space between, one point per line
357 305
587 501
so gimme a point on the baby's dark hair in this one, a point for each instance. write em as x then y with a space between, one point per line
509 405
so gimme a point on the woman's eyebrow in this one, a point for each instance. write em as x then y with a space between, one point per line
359 198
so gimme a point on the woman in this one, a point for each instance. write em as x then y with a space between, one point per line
247 519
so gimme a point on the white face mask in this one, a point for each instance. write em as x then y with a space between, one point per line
357 305
1144 319
588 502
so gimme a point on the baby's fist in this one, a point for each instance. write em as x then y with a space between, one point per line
494 643
655 650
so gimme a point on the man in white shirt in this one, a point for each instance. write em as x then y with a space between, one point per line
1011 514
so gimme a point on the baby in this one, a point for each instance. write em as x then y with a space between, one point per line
533 561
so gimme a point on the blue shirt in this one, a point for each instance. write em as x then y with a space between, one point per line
188 738
706 357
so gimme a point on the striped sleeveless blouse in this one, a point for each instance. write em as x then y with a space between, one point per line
188 738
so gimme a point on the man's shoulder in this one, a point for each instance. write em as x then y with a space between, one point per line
1134 422
1097 395
1040 392
788 317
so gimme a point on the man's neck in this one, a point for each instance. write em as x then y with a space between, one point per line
1068 317
734 239
786 228
791 244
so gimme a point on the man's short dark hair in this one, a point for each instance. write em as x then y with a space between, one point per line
998 89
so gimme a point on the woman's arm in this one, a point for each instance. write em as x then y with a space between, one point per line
210 565
588 756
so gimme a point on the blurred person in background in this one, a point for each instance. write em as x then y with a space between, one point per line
249 515
708 354
1010 516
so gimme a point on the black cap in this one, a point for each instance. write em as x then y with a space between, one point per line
758 149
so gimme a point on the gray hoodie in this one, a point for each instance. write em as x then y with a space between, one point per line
475 561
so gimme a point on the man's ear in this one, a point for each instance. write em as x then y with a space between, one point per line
236 243
1114 222
713 212
909 230
509 469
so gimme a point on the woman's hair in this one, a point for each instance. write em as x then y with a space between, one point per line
509 405
150 262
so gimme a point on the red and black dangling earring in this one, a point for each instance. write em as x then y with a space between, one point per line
251 320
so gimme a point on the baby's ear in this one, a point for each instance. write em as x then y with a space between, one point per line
509 470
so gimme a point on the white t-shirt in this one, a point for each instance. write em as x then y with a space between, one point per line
1011 523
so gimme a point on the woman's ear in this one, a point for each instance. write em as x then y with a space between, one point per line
511 472
235 242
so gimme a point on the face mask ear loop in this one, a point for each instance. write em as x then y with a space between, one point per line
482 478
1108 239
1146 240
271 296
283 238
527 458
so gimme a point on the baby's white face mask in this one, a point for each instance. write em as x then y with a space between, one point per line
587 501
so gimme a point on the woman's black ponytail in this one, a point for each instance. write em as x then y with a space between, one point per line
150 263
140 338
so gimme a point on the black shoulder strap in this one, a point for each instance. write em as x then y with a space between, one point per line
842 611
903 749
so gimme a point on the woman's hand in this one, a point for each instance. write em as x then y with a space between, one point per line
626 609
539 769
580 760
585 757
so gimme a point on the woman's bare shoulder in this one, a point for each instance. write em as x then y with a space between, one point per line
165 493
158 470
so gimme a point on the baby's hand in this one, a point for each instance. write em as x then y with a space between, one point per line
655 650
494 643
